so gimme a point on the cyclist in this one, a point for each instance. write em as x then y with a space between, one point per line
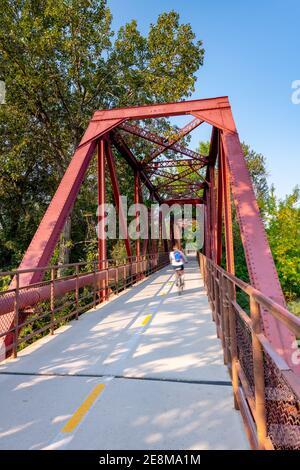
177 260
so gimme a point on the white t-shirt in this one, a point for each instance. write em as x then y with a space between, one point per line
173 260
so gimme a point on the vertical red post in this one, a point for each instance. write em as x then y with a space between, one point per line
164 232
212 207
210 197
102 262
152 244
229 249
137 213
219 212
207 227
116 191
148 243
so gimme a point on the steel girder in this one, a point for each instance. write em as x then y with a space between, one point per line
229 249
217 112
117 199
182 201
175 163
102 259
184 187
137 213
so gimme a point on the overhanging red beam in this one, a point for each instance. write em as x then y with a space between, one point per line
215 111
182 180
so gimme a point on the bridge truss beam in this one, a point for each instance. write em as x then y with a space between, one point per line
226 169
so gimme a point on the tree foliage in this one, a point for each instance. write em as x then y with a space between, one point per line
60 61
256 165
284 235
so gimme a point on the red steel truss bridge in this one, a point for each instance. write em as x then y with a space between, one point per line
144 367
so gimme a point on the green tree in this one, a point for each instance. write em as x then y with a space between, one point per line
60 61
256 165
283 230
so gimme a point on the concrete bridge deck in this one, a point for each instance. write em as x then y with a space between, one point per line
143 371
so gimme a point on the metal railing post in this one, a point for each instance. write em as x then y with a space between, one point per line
258 372
77 290
205 272
52 301
226 322
216 302
233 342
16 317
117 278
125 275
95 284
106 282
222 307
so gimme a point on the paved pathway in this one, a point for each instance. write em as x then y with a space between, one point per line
144 371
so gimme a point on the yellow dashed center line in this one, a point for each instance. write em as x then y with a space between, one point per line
83 409
146 320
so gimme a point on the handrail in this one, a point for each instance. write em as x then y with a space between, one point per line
87 288
280 312
266 390
81 263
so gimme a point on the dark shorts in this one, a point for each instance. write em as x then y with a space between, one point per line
178 268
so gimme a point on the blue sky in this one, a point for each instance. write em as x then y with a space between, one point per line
252 54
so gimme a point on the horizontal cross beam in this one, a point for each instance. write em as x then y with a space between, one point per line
175 163
215 111
186 184
194 200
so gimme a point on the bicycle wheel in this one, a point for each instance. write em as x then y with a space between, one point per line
180 285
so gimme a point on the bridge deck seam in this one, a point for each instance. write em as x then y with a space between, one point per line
126 377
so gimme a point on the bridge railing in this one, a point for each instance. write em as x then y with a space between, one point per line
65 292
266 389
